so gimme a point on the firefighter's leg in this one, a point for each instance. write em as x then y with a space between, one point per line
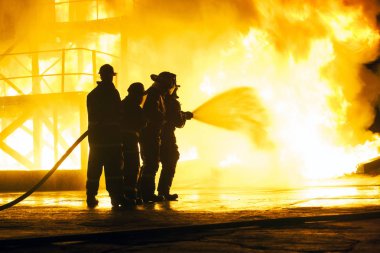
94 171
131 167
150 151
169 159
113 175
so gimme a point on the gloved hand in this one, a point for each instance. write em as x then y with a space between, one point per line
188 115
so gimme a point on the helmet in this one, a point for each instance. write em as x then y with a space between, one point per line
166 79
136 88
106 69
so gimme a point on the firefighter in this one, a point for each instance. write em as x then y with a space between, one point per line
132 122
175 118
154 110
103 108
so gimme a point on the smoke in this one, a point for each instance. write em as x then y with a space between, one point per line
25 23
11 18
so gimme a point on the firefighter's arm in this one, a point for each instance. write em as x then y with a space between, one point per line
152 111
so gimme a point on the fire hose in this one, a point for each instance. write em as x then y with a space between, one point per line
50 172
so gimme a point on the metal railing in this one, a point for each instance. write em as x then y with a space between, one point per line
28 74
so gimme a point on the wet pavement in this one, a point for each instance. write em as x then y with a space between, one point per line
342 217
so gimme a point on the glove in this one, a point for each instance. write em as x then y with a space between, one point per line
188 115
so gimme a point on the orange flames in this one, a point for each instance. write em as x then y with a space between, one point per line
305 62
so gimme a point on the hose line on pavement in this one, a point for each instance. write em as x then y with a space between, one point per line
50 172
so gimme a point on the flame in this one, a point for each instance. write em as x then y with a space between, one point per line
308 101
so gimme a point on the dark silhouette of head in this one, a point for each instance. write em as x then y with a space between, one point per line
106 73
136 92
165 80
136 89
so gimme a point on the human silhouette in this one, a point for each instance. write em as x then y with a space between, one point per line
154 109
132 122
175 118
103 108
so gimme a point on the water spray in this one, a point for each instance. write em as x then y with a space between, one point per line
237 109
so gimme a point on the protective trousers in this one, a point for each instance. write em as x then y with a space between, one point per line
169 158
131 168
111 159
150 154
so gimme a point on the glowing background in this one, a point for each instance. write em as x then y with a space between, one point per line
303 58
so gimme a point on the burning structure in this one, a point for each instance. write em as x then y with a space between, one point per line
313 64
44 80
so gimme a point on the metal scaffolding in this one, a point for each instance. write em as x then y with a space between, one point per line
44 102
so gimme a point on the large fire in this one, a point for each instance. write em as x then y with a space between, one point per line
304 59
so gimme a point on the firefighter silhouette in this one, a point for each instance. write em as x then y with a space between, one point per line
103 108
169 155
154 110
132 122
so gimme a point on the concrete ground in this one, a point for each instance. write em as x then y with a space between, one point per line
339 218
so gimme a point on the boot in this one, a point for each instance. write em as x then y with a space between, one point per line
130 197
118 201
147 186
153 198
169 197
91 201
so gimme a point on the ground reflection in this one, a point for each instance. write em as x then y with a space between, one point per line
222 200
